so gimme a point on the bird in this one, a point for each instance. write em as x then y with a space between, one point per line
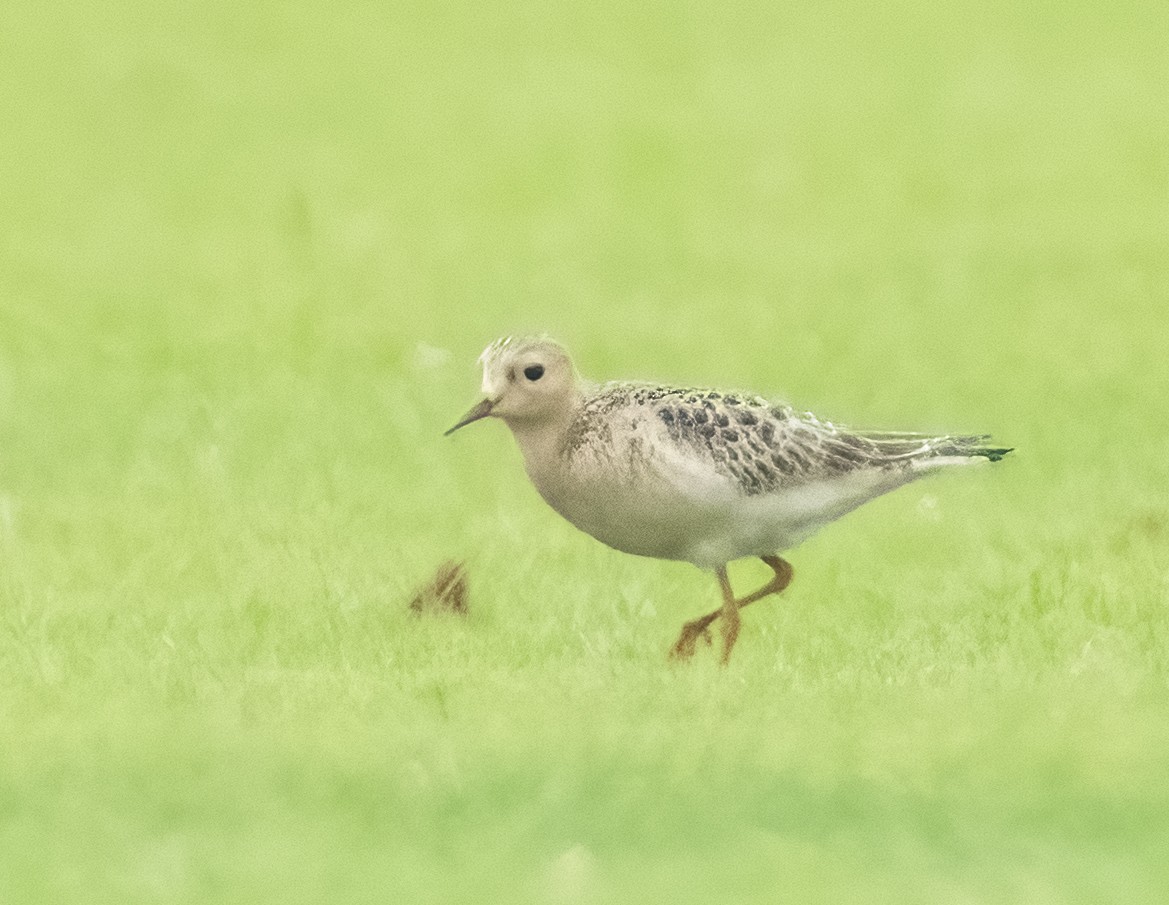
694 475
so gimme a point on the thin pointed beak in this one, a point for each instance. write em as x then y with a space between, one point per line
482 410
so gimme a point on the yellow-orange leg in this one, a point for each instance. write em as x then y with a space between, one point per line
730 614
683 648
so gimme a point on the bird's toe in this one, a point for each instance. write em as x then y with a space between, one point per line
684 647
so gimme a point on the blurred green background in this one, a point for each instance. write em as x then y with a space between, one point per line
248 255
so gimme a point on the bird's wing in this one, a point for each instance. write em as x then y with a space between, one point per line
765 446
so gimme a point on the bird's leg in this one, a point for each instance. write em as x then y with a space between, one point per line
779 582
684 647
730 614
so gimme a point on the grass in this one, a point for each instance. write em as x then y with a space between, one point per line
247 258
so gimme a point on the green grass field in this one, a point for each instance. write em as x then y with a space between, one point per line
248 256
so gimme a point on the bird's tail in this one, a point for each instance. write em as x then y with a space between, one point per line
944 452
969 447
927 452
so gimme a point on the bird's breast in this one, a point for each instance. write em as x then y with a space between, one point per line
622 501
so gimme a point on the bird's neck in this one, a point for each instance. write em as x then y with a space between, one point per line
542 441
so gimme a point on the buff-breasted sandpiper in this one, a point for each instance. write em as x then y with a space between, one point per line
695 475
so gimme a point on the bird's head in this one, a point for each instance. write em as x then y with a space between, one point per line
526 382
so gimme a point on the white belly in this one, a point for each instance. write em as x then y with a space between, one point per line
703 522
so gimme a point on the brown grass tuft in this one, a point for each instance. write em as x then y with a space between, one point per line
446 592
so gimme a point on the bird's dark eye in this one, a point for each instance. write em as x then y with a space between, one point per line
534 372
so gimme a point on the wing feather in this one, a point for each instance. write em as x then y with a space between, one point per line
766 446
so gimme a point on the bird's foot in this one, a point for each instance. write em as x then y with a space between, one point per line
683 648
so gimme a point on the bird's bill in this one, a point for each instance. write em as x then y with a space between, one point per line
482 410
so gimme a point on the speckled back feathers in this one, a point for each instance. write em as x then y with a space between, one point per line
764 446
